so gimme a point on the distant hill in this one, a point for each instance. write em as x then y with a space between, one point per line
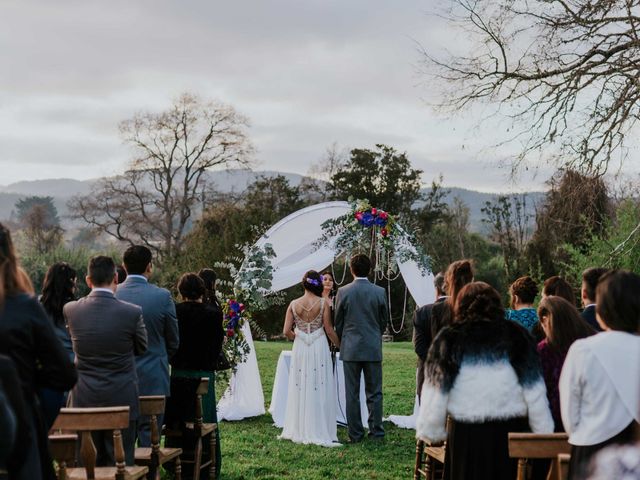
227 181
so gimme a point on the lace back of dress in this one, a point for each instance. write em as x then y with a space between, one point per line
308 321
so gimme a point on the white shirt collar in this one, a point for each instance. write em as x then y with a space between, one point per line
361 278
590 305
102 289
135 275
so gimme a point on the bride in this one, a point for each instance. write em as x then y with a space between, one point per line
311 400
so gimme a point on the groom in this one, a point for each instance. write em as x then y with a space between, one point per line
361 317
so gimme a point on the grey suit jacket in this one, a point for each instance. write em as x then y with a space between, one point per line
361 317
106 335
159 313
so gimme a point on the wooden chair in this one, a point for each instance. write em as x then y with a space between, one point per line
156 456
198 430
526 446
563 466
63 451
429 460
87 420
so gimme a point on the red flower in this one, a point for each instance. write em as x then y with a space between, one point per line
230 333
359 215
374 211
384 232
384 215
242 307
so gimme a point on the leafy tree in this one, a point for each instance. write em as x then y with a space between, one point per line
153 202
575 209
269 199
383 176
508 220
38 218
613 247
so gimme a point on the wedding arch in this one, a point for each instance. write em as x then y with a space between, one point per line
312 239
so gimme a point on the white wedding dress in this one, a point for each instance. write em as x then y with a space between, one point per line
243 397
311 401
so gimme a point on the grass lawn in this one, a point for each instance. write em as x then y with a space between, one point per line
250 448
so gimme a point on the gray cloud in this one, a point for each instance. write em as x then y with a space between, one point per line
307 74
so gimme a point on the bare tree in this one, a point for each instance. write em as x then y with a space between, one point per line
317 181
154 200
565 72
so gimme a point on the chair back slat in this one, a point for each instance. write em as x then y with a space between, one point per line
152 405
534 445
91 419
203 387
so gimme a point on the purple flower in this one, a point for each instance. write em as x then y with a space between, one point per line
381 222
367 219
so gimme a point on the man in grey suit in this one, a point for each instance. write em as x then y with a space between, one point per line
106 335
361 317
159 313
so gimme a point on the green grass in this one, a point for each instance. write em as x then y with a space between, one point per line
251 449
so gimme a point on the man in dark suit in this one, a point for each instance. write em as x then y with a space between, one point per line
361 317
106 335
422 329
159 313
590 279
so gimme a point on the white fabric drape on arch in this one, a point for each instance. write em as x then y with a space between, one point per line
294 242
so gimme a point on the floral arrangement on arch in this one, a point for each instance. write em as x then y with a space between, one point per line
373 231
235 315
246 295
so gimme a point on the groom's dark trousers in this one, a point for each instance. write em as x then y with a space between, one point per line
373 389
361 317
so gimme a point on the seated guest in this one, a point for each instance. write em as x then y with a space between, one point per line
600 380
28 339
422 328
559 287
590 279
523 293
483 371
106 335
58 289
562 325
201 336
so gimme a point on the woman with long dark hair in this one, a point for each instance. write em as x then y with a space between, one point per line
457 275
562 325
28 338
57 290
482 371
558 287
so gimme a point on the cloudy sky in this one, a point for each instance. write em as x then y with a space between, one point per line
307 73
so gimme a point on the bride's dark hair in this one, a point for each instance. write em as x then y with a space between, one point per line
312 281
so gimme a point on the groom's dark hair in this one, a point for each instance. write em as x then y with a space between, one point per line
360 265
